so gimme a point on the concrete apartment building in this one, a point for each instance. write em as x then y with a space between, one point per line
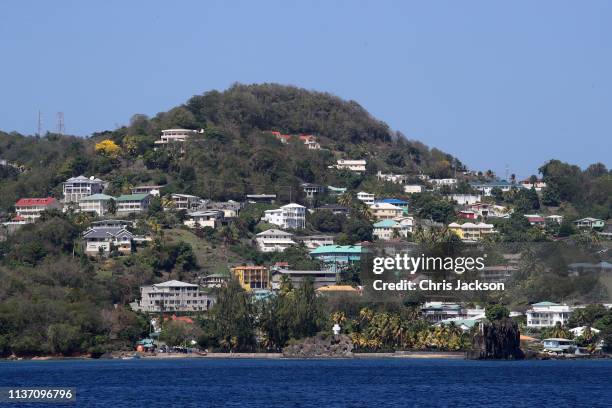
173 296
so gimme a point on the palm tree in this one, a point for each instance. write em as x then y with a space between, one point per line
346 199
168 203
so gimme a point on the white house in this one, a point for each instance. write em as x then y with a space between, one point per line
487 187
202 219
413 188
132 203
146 189
95 203
554 218
290 216
103 239
589 222
312 189
539 184
547 314
465 199
29 209
443 182
315 241
353 165
393 178
186 202
470 231
274 240
76 188
365 197
175 135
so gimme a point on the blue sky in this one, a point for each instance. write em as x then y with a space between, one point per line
495 83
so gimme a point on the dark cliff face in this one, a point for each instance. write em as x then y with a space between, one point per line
498 340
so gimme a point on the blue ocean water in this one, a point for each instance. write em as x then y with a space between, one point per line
318 383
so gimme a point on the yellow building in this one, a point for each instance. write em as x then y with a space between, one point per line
471 231
252 277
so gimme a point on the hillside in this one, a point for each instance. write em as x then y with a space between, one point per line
233 156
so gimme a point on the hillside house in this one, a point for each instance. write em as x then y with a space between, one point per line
352 165
152 190
274 240
310 142
589 223
464 199
535 220
365 197
205 218
315 241
132 203
386 211
471 231
76 188
389 229
396 202
539 184
185 202
393 178
551 219
173 296
29 209
312 189
290 216
252 277
439 183
101 240
261 198
486 187
336 257
413 188
95 204
336 209
175 136
547 314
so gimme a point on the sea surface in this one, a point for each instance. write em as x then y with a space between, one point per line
317 383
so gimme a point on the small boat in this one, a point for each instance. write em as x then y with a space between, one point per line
134 356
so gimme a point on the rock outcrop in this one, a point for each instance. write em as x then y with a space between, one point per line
498 340
321 346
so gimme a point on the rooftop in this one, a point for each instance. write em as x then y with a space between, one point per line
132 197
331 249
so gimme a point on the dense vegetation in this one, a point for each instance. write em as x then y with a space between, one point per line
56 300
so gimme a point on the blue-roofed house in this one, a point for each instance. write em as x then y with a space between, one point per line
388 229
335 257
396 202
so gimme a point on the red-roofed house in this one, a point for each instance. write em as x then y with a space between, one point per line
535 219
30 208
467 214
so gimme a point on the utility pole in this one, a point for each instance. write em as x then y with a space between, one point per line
60 123
39 131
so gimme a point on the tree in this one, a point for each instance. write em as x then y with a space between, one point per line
112 206
496 312
233 318
179 333
108 148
